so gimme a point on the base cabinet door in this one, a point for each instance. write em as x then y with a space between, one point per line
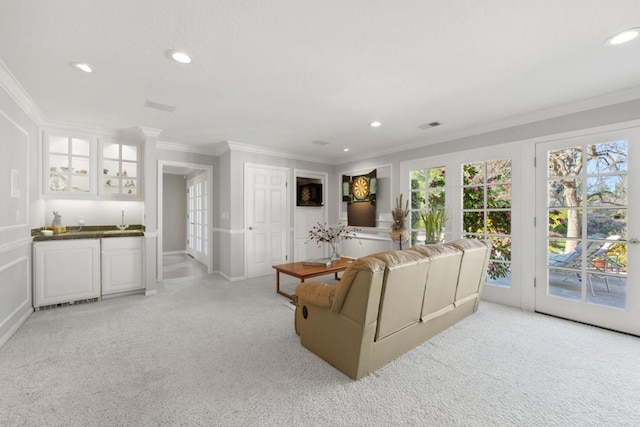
66 271
122 265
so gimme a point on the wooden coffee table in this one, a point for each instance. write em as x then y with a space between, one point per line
302 272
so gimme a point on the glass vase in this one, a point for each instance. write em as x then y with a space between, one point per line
334 249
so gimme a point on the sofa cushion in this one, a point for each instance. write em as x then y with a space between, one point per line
402 291
442 279
317 293
364 265
473 267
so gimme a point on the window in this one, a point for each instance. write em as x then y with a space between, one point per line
486 213
427 191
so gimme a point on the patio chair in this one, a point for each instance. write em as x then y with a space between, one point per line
594 250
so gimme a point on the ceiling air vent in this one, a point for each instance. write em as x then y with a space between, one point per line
159 106
429 125
318 142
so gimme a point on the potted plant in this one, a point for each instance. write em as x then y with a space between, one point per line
398 229
434 220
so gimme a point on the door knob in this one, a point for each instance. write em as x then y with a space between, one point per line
252 228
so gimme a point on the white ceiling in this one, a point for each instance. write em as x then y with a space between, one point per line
280 74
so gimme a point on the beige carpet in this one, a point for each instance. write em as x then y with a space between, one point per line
212 353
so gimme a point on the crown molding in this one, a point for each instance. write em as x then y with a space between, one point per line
197 149
15 90
248 148
514 121
148 132
79 127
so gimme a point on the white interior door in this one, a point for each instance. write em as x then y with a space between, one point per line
587 205
197 214
266 219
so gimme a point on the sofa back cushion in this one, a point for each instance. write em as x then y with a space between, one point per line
442 279
358 293
402 291
473 268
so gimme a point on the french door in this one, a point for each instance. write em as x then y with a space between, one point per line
266 218
587 211
197 214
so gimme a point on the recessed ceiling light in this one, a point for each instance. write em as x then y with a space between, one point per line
345 149
83 66
623 37
179 56
375 124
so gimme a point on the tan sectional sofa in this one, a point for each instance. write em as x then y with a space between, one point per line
388 303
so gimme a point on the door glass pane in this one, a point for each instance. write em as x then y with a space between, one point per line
473 197
472 173
606 190
558 220
564 193
565 162
607 157
587 256
473 222
500 195
499 171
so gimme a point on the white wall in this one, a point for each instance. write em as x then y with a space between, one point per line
174 213
19 139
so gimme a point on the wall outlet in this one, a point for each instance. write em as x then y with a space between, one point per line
80 220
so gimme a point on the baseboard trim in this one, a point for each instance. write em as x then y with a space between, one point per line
149 293
123 293
174 252
16 326
231 279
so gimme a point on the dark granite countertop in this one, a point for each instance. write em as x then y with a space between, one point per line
90 232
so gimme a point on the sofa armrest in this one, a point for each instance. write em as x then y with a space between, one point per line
316 293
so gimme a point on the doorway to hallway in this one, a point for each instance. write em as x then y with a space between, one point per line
184 219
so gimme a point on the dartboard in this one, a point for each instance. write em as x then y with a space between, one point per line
361 188
305 194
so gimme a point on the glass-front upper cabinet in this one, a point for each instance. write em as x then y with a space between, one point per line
68 166
120 170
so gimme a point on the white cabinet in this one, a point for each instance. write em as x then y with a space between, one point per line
120 170
76 166
66 270
121 264
69 166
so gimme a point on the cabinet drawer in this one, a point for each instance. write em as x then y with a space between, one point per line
117 243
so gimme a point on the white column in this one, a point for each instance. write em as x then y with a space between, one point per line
150 219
